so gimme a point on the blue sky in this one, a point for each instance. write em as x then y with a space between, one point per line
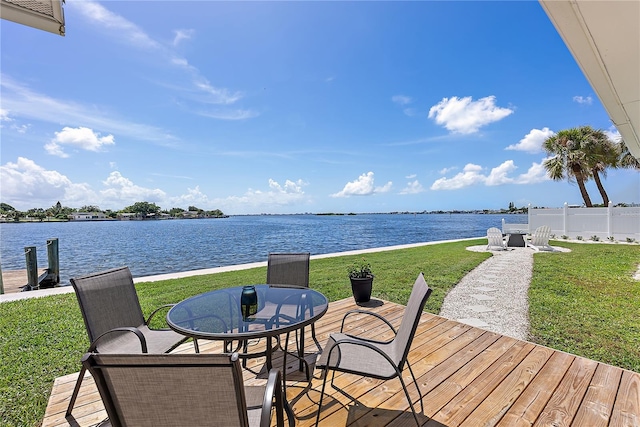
290 107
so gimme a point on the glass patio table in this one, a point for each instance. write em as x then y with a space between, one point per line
221 315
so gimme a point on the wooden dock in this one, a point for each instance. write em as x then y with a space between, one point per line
467 376
14 280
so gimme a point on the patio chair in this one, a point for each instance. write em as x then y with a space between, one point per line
287 270
495 240
114 321
382 360
540 239
182 390
290 269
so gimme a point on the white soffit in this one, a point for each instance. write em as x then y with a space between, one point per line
604 38
45 15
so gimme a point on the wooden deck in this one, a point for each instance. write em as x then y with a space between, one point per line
468 377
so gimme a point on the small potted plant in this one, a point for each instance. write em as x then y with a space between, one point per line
361 280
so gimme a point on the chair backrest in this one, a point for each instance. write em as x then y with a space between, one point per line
494 237
170 389
288 269
402 342
108 300
541 236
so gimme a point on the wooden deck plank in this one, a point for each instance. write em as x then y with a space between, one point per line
564 403
597 405
494 406
467 376
457 410
528 406
626 410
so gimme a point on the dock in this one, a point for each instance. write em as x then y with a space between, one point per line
14 280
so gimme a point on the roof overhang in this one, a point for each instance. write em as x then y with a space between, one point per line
45 15
604 38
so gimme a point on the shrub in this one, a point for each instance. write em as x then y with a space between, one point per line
360 270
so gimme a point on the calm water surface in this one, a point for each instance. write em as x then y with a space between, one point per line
169 246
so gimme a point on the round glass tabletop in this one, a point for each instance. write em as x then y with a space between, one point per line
228 314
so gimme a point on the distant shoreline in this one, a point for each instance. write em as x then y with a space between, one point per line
453 212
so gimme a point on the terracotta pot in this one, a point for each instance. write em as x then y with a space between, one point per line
361 289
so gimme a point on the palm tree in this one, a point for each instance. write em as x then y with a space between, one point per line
569 161
601 153
627 160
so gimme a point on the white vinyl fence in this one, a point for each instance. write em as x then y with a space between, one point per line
619 223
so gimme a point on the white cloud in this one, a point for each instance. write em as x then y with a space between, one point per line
413 187
613 134
4 116
193 197
445 171
536 173
532 142
26 185
122 191
27 103
278 195
82 137
472 175
363 186
132 35
116 24
587 100
401 99
229 114
498 175
463 115
413 175
182 35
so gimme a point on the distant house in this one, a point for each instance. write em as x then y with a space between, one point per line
87 216
126 216
191 214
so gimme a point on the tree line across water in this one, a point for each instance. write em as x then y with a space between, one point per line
141 209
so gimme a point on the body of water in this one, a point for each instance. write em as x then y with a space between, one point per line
170 246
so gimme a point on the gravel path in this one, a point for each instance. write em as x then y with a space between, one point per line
494 296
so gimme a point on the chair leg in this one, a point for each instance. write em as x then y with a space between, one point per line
196 347
406 393
324 383
417 387
76 390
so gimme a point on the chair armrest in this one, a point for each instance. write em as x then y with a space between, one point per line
140 335
162 307
273 391
371 313
356 342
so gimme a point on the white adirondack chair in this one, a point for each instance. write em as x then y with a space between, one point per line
495 240
540 239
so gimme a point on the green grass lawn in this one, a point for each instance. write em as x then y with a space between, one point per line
584 302
587 302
